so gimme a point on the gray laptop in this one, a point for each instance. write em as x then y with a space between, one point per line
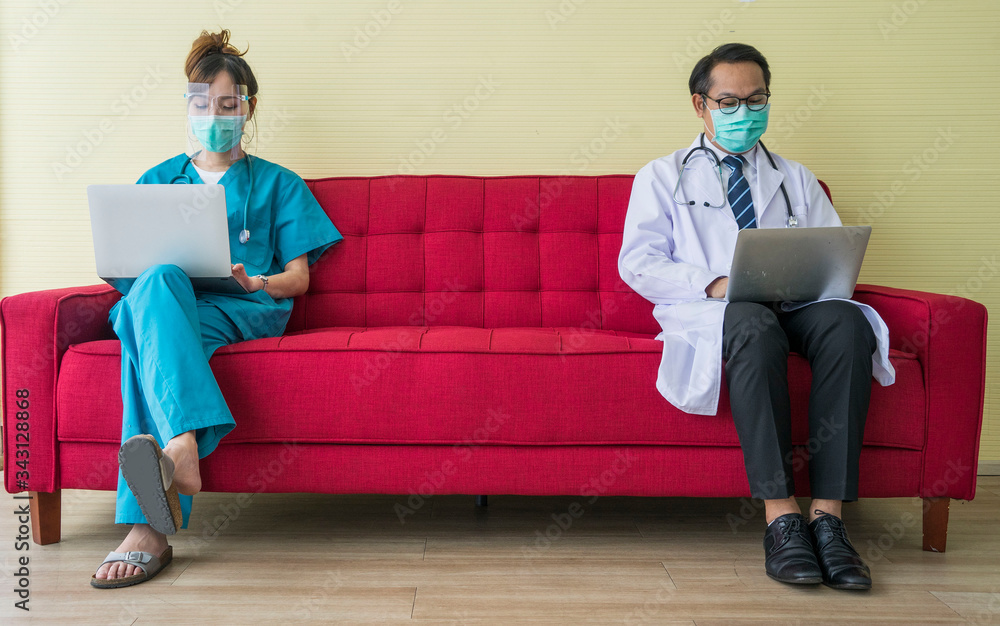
138 226
797 264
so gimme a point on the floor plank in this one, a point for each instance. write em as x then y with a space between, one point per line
317 558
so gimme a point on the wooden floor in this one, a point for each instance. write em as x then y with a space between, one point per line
303 557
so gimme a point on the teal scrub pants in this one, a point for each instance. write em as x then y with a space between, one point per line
167 336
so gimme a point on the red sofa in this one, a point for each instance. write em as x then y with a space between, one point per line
472 335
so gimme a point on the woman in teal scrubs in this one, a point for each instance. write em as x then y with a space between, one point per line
168 331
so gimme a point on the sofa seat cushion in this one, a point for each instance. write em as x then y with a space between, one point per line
459 385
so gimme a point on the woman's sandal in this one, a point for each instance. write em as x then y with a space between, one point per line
150 474
150 564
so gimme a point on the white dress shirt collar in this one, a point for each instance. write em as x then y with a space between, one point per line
749 157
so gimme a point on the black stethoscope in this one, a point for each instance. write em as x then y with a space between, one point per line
791 221
185 179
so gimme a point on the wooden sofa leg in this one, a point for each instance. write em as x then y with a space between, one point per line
480 500
45 516
935 524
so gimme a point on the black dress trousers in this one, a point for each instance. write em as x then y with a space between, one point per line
839 343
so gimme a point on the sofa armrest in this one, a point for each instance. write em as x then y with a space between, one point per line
948 336
37 328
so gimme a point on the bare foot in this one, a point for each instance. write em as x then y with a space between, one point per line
142 538
183 450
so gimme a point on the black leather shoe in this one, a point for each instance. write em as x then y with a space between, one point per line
842 565
789 556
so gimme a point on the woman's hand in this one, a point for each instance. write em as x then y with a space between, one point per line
250 284
294 281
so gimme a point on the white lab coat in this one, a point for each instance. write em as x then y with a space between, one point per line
671 252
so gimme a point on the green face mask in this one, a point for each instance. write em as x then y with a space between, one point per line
217 133
740 131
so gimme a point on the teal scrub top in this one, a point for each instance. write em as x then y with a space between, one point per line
285 221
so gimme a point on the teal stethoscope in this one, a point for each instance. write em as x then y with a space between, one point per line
791 221
185 179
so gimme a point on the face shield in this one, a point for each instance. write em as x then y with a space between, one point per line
216 116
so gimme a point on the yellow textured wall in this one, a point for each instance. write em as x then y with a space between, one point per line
893 103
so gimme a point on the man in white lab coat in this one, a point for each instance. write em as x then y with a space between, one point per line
677 251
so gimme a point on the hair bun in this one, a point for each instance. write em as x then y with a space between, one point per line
208 44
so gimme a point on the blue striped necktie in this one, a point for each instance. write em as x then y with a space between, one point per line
739 194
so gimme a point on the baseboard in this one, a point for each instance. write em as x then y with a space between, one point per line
989 468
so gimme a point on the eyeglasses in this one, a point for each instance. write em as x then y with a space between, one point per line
200 103
731 105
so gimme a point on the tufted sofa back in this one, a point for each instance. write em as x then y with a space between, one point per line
486 252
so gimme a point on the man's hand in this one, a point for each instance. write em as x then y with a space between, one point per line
717 288
250 284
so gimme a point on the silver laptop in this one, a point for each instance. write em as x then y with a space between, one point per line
797 264
138 226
